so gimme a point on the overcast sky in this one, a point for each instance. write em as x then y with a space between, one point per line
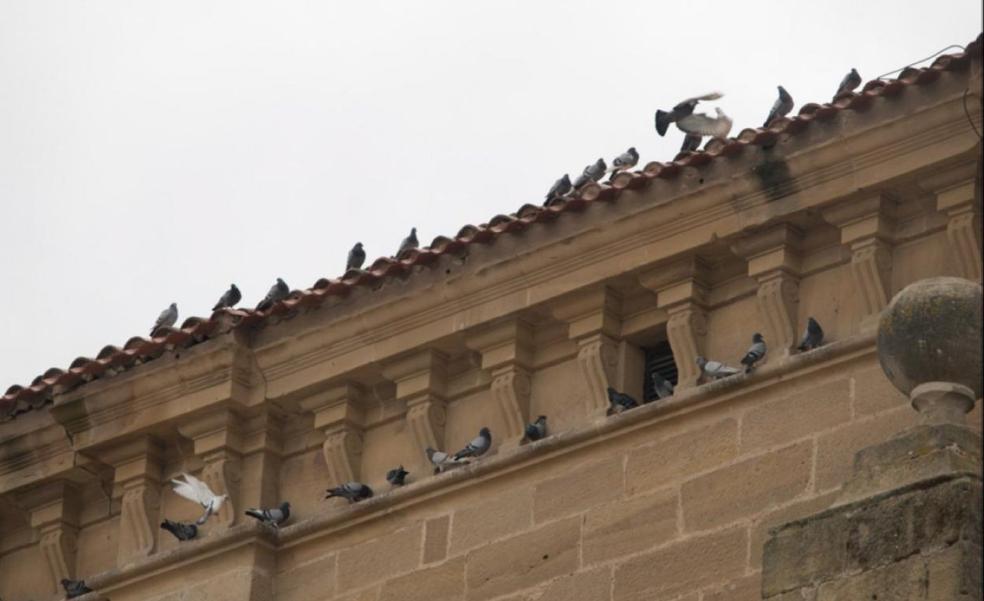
153 152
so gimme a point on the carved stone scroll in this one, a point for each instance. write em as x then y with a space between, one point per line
963 231
54 510
421 382
339 415
507 352
137 479
217 438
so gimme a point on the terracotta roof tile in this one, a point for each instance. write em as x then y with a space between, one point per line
112 360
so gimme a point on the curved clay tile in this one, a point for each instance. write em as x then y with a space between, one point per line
500 219
440 243
668 171
80 362
381 264
37 380
108 351
528 210
927 76
134 343
467 232
909 74
192 322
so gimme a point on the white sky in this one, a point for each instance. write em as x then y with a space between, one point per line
153 152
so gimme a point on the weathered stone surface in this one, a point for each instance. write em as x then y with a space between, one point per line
748 588
906 581
681 455
817 408
297 584
753 485
523 561
793 511
836 449
436 539
628 526
381 558
591 585
444 582
873 392
496 517
578 489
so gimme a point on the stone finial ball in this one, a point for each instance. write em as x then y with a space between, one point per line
931 332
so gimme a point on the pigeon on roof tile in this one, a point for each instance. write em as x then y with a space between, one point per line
228 299
812 336
780 108
181 531
682 109
715 369
167 318
592 173
356 257
274 517
625 161
408 243
353 491
561 187
277 293
704 125
477 446
850 81
754 353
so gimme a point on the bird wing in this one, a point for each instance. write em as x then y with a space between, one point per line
705 125
195 490
186 490
708 96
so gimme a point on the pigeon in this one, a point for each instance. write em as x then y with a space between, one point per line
619 401
691 142
274 517
197 491
682 109
74 588
661 386
179 530
592 173
780 108
755 352
478 445
356 257
561 187
353 491
623 162
812 336
715 369
397 476
537 429
228 299
702 125
166 319
850 81
408 243
277 293
440 459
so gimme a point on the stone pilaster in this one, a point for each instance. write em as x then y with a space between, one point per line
54 511
421 383
338 414
262 444
137 481
217 440
773 256
594 322
507 353
681 290
963 228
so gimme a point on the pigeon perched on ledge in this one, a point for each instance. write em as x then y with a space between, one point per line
278 292
754 353
197 491
180 530
353 491
228 299
780 108
715 370
537 429
74 588
440 460
167 318
356 257
477 447
812 336
619 401
274 517
661 386
397 476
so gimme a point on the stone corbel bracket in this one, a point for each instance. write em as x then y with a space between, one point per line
867 227
593 318
218 441
507 353
421 383
773 257
137 478
963 229
339 415
682 290
54 510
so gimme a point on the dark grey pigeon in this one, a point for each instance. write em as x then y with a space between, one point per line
623 162
561 187
180 530
592 173
682 109
478 445
277 293
715 370
537 429
755 352
812 336
74 588
274 517
662 386
356 257
850 81
397 476
619 401
780 108
439 459
167 318
228 299
691 142
353 491
408 242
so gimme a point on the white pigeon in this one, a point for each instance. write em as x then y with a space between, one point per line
715 369
197 491
702 125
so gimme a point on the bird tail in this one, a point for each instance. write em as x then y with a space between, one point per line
169 526
255 513
662 122
711 96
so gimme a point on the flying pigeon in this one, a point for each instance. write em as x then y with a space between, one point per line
691 142
179 530
850 81
755 352
167 318
812 336
780 108
228 299
478 445
74 588
440 459
537 429
408 243
661 386
682 109
397 476
561 187
702 125
197 491
353 491
274 517
277 293
592 173
715 369
619 401
623 162
356 257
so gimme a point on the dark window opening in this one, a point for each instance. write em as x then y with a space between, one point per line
659 359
